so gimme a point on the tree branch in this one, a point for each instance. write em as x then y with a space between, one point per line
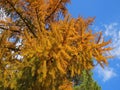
38 18
17 31
23 19
58 3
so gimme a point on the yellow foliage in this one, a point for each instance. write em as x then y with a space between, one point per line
66 86
59 66
52 49
44 69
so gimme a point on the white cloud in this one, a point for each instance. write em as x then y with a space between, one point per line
3 15
112 31
106 73
118 65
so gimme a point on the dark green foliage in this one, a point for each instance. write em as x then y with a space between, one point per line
86 82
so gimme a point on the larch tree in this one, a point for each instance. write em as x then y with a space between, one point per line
42 47
85 81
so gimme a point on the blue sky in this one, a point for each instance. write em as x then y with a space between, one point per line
107 20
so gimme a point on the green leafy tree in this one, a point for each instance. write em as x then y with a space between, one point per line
42 47
86 82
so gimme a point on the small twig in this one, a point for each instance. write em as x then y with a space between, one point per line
58 3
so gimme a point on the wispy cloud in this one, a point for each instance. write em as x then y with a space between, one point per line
3 15
118 65
112 31
106 73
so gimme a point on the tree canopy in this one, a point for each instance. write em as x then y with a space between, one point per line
43 47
